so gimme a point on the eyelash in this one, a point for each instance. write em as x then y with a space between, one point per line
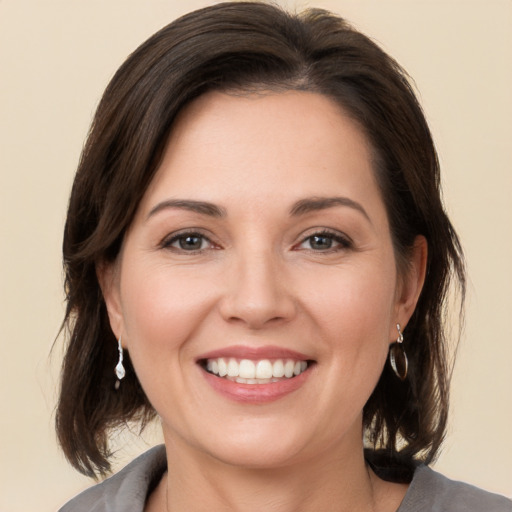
342 240
176 238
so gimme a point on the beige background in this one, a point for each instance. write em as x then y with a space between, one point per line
56 58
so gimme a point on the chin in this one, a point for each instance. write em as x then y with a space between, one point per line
255 456
254 444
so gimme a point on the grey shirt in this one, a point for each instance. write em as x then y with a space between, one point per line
429 491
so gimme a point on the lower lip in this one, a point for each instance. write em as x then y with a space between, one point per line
255 393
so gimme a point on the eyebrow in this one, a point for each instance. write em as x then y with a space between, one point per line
313 204
202 207
310 204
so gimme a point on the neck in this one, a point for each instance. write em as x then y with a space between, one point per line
203 483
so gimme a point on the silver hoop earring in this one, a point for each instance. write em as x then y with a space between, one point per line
120 371
398 357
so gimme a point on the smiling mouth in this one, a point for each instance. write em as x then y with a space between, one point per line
262 371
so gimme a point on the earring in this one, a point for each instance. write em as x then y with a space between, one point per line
398 357
120 371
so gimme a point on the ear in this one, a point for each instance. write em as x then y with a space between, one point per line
411 283
108 278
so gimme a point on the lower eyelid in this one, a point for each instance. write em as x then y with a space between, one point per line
167 243
344 242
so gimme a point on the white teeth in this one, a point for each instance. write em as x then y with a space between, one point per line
252 381
223 367
233 368
247 369
255 372
278 368
288 369
264 369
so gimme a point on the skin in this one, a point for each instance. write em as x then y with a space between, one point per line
259 279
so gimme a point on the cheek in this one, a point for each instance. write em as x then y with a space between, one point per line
162 309
353 310
351 297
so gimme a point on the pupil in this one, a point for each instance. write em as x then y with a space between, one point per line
321 242
190 242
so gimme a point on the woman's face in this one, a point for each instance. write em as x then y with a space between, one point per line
261 249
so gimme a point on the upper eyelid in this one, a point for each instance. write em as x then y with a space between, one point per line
172 237
325 232
343 241
306 234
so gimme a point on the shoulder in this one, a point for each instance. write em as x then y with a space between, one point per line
432 492
126 490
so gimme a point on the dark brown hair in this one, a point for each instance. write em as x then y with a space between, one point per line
246 46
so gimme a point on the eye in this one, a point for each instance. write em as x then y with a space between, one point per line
187 242
325 242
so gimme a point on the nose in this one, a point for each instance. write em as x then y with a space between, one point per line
257 292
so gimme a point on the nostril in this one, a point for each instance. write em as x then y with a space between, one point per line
255 293
256 315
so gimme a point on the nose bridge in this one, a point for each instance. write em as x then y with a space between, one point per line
256 292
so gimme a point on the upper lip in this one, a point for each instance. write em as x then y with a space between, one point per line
255 353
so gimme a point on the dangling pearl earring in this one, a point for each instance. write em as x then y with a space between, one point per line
120 371
398 357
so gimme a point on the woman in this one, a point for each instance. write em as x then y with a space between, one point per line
256 251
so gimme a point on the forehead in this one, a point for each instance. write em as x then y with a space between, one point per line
264 146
